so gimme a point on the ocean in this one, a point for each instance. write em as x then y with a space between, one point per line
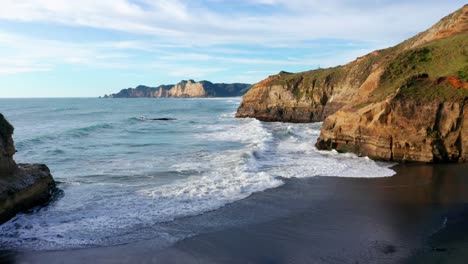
124 176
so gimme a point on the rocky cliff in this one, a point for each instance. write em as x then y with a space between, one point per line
22 186
187 89
184 89
405 103
7 149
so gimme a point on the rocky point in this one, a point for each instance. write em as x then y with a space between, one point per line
22 186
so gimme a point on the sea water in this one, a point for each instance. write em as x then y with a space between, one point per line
123 174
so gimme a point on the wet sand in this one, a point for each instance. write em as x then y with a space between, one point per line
419 215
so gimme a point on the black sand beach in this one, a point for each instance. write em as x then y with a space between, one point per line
419 215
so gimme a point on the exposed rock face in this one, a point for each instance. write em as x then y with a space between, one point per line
7 148
401 130
303 97
185 89
22 186
405 103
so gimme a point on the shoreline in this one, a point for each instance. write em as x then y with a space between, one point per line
318 220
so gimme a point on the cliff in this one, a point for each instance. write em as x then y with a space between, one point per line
185 89
22 186
7 149
404 103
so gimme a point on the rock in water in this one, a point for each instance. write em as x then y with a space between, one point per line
163 119
404 103
22 186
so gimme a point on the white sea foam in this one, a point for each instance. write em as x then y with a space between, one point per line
112 215
249 131
296 156
227 115
131 201
232 175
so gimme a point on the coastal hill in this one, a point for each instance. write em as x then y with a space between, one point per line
405 103
185 89
22 186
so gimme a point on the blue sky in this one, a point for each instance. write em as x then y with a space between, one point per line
61 48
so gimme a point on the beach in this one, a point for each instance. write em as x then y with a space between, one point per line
407 218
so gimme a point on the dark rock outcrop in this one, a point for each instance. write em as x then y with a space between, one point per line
22 186
185 89
404 103
7 148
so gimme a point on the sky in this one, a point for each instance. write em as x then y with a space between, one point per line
88 48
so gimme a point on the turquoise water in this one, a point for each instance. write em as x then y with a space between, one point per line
123 174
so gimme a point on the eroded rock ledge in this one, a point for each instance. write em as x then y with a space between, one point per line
401 130
22 186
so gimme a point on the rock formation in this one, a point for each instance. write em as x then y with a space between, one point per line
404 103
7 149
22 186
185 89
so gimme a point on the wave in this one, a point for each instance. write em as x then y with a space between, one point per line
115 216
228 176
90 129
144 118
139 118
123 198
65 109
228 115
74 133
295 156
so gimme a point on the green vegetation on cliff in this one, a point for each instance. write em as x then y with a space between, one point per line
463 74
419 73
424 89
380 104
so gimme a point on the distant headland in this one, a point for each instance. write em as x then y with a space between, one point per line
185 89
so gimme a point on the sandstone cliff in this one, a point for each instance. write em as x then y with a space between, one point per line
184 89
187 89
22 186
405 103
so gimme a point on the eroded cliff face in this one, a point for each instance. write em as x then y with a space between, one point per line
291 97
308 96
405 103
417 111
22 186
401 130
187 89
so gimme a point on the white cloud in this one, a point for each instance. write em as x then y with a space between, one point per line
21 54
249 61
193 72
159 27
181 21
